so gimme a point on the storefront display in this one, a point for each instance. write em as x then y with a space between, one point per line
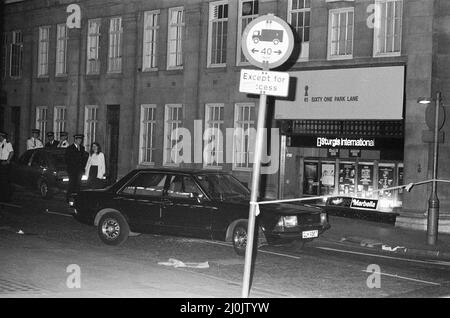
311 178
327 179
347 173
365 180
386 180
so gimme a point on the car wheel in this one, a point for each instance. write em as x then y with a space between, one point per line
113 229
44 190
240 237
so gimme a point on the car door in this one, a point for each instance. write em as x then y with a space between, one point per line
21 168
140 200
37 168
185 209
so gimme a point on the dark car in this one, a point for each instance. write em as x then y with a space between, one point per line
193 203
43 170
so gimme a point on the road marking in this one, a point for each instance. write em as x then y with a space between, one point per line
259 250
59 213
403 277
11 205
385 256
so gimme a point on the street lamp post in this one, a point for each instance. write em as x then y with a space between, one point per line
433 202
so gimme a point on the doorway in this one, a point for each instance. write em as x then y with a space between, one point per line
112 141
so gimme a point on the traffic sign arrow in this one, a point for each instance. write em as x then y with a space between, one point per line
278 52
254 50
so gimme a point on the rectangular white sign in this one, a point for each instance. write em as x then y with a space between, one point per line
355 93
264 82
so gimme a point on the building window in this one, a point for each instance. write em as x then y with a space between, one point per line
173 121
93 43
59 120
44 40
61 49
299 14
388 27
244 121
218 33
4 65
147 140
41 120
340 34
248 10
90 125
214 138
115 45
16 54
175 38
151 26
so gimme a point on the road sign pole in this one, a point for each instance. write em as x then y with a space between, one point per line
254 195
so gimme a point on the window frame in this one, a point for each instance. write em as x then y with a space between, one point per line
41 120
376 52
61 52
115 43
304 44
211 21
220 122
240 30
152 45
43 51
167 122
152 122
93 64
59 124
346 10
251 124
89 136
15 43
181 25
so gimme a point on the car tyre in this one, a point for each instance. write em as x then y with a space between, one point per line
239 237
113 229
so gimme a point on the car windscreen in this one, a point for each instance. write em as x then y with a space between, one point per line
222 186
59 160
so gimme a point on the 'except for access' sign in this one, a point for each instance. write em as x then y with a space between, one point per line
264 82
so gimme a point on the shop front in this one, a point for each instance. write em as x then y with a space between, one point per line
335 144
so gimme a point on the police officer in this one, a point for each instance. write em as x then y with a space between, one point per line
76 158
6 154
34 142
51 143
63 143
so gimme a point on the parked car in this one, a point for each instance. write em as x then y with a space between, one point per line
193 203
42 170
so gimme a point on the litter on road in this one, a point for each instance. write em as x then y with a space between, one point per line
176 263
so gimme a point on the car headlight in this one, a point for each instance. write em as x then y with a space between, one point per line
288 221
323 218
84 178
65 179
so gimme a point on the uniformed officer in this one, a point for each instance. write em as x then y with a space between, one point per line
63 143
76 158
6 154
34 142
51 143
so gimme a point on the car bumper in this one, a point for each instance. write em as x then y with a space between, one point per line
297 234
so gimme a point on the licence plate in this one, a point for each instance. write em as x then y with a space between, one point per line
310 234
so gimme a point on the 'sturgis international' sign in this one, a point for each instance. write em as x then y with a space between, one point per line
344 142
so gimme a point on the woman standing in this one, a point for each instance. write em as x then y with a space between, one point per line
95 166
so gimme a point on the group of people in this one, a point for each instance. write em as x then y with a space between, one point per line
78 161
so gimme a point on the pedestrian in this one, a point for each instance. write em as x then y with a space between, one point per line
34 142
6 154
76 158
95 166
63 143
51 142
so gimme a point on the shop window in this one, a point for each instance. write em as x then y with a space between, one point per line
311 178
327 179
365 180
347 178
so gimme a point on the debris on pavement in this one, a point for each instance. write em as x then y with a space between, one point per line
176 263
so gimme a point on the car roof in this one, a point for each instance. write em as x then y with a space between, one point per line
192 171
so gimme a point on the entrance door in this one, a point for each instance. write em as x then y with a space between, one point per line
112 141
15 129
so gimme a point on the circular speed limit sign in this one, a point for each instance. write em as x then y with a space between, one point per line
267 41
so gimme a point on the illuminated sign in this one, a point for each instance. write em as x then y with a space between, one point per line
344 142
369 204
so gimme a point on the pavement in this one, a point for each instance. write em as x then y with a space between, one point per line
387 238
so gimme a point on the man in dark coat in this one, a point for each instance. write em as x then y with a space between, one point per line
51 143
76 158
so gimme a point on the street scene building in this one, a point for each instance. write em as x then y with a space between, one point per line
132 72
